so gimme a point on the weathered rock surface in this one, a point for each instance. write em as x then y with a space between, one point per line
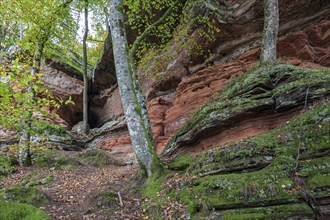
170 111
189 83
64 86
252 104
175 96
104 75
283 174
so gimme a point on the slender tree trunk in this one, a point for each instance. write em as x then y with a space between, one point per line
20 31
271 24
25 142
85 94
141 140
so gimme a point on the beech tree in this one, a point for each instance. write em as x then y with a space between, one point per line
271 24
160 27
40 28
133 102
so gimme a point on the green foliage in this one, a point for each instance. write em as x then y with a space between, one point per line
194 30
14 211
179 21
7 163
9 37
16 102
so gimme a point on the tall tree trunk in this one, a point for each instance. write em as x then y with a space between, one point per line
271 24
25 142
141 139
85 94
20 31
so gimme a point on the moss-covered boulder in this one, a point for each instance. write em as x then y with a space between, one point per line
55 160
98 158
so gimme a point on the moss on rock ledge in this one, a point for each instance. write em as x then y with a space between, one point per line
278 175
261 91
28 191
282 174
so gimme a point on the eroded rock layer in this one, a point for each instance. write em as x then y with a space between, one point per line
190 83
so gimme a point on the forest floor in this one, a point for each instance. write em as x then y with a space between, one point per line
87 192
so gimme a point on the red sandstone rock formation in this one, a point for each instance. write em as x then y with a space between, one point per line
304 41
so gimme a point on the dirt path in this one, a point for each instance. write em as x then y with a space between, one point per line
82 193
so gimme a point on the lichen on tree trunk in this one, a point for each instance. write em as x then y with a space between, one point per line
271 24
134 112
85 94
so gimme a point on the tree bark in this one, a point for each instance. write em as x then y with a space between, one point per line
132 52
271 24
141 139
85 94
24 157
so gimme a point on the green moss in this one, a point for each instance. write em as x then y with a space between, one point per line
262 171
316 165
309 132
98 158
271 212
72 60
320 180
186 197
45 158
28 190
53 159
63 160
274 158
267 87
15 211
7 163
111 196
37 179
261 187
181 162
153 187
24 194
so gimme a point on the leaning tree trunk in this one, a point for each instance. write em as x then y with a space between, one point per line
271 24
141 140
85 94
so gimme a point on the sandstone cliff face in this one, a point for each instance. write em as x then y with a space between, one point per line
189 83
64 85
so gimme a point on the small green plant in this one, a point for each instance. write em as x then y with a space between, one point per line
7 164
